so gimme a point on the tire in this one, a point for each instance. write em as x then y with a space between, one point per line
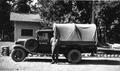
31 44
74 56
18 55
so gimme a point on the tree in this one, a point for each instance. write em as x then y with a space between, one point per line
4 17
65 11
21 6
108 13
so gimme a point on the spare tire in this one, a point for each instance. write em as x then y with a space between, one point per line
31 44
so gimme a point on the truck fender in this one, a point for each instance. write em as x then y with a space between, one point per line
20 47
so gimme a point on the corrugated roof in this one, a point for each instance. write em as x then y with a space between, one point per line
25 17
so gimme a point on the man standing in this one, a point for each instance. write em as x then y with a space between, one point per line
55 48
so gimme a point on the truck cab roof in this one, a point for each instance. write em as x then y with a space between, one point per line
44 31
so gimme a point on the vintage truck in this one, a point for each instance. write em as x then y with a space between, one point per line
75 39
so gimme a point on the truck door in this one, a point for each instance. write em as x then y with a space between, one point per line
44 42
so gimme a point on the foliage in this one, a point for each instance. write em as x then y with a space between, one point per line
21 6
62 11
106 14
5 26
108 18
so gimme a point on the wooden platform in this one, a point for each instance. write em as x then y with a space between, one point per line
108 50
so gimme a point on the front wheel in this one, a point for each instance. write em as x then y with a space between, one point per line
74 56
18 55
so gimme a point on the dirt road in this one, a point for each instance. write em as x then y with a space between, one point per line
43 64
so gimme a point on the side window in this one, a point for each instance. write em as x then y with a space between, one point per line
27 32
43 38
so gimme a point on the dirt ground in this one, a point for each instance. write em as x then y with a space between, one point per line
44 64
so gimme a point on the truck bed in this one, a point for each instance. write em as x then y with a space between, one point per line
82 43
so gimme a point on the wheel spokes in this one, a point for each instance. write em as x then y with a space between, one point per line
18 55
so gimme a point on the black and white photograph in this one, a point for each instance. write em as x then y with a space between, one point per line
59 35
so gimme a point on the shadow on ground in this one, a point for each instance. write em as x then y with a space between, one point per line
83 62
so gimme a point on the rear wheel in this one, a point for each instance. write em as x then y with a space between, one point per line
74 56
18 55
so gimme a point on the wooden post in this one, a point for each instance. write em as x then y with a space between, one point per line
93 16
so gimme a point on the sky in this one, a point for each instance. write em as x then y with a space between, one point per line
34 1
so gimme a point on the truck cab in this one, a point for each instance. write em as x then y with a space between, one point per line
40 44
43 38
